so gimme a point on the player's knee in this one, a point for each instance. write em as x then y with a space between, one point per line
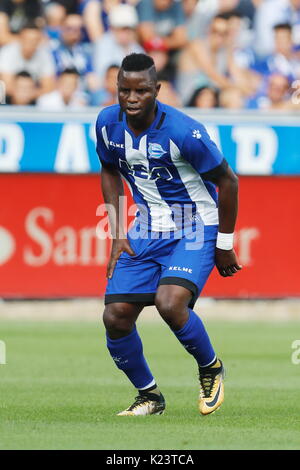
117 320
172 310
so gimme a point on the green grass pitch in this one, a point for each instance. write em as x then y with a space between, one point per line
61 390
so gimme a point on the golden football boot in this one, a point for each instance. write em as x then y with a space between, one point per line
211 394
145 404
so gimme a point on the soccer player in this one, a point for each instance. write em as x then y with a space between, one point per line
182 229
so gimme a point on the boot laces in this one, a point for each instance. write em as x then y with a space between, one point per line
139 400
207 381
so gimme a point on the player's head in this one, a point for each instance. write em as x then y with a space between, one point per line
137 86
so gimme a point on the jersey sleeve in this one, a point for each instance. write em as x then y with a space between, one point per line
102 147
203 154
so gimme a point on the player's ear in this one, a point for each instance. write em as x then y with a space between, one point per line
157 89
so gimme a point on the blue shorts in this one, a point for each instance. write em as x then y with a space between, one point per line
186 261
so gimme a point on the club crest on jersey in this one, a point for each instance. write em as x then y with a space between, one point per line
155 150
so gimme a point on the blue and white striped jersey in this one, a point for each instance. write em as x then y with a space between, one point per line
168 166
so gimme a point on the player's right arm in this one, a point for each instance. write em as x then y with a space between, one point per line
113 190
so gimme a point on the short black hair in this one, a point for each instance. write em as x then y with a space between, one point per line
139 62
286 26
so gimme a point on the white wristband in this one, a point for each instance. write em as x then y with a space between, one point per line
225 241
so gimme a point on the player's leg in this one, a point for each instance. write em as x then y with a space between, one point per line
183 278
124 343
125 347
172 303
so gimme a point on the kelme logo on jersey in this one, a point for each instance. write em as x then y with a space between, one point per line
155 150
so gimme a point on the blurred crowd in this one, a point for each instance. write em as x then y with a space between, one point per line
232 54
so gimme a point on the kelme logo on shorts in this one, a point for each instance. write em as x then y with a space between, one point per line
155 150
178 268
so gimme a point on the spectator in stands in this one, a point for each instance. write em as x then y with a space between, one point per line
23 91
69 52
278 97
28 54
284 60
156 48
204 62
200 48
107 6
246 9
168 95
119 41
204 97
164 19
268 14
54 14
95 15
200 13
274 94
67 94
70 7
107 95
14 14
239 35
91 12
189 10
241 59
231 98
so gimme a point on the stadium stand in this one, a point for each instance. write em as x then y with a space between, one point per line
209 53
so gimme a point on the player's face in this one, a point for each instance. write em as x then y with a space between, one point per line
137 93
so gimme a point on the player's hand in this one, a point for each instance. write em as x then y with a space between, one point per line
117 249
226 262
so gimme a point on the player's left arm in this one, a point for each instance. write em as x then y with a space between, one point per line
202 153
226 259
